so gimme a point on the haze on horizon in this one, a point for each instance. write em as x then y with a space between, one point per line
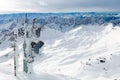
12 6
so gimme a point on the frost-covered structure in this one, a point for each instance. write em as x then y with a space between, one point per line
31 46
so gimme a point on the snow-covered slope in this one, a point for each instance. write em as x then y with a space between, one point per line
83 53
86 52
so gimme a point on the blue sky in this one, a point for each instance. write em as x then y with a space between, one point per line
7 6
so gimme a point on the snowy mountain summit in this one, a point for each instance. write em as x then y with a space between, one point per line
78 46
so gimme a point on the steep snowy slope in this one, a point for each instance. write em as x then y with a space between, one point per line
86 52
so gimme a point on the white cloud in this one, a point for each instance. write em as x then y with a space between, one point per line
58 5
5 5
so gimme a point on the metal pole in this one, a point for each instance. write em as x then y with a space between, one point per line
25 64
14 61
15 48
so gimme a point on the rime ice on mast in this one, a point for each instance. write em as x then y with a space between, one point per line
31 45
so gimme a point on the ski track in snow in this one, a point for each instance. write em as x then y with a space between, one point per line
86 52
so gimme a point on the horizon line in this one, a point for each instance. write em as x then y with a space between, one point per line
60 12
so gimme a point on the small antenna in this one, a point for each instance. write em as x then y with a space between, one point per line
26 18
34 21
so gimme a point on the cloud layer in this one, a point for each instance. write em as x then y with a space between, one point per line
58 5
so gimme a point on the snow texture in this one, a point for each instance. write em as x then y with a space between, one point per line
85 52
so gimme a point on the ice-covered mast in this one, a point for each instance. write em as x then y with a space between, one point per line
16 50
31 45
25 64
